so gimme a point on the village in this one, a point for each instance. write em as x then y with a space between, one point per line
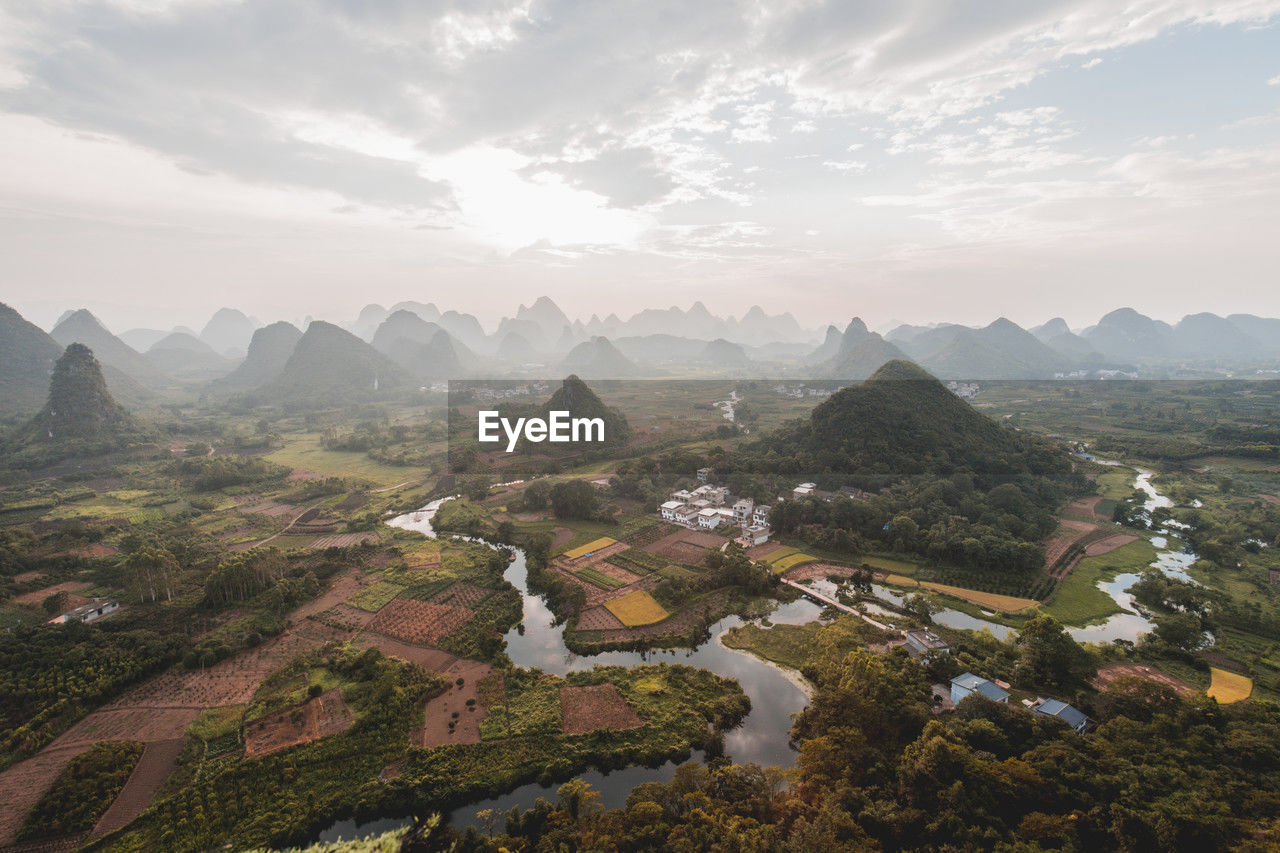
710 507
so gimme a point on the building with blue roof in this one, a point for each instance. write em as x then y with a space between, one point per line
968 683
1062 711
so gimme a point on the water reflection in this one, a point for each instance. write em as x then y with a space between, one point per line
539 643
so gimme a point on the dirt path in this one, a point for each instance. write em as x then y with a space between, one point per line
286 529
23 784
157 762
391 488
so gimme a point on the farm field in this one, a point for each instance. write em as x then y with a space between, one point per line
590 548
588 708
325 715
636 609
304 452
1228 687
989 600
419 621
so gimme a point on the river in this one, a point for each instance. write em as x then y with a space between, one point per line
775 694
538 643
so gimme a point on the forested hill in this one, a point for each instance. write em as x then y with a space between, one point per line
940 480
577 398
903 422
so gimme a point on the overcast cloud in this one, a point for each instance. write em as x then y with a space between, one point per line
899 160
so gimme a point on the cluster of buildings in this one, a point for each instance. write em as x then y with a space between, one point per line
708 507
967 684
924 644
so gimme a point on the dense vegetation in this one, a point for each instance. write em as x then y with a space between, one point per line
878 770
52 676
83 791
935 477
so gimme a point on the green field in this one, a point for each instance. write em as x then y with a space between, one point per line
891 565
595 577
1078 601
376 597
304 451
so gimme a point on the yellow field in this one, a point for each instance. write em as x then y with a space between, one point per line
989 600
636 608
1228 687
790 562
592 546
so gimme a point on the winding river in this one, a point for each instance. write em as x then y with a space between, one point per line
775 694
537 642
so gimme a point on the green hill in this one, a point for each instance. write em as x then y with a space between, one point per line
901 422
577 398
598 358
82 327
860 354
27 356
331 367
423 349
269 352
79 418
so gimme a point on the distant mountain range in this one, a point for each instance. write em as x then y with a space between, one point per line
414 344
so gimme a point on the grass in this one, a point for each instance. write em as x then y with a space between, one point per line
636 608
304 451
791 645
532 708
376 597
595 577
989 600
590 547
214 723
1078 601
1116 482
901 567
1229 687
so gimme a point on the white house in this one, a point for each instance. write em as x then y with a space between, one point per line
708 518
803 490
90 612
756 534
760 515
742 511
687 514
669 510
683 496
704 474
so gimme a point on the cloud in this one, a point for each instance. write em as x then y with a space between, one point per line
616 136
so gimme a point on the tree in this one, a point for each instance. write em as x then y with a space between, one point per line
476 486
1180 630
575 499
536 494
56 603
1048 655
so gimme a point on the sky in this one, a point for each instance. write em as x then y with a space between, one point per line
900 160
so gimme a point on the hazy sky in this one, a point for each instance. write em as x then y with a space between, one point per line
899 160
